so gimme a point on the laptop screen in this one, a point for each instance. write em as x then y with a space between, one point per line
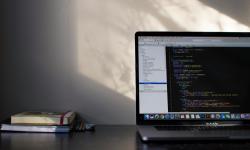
193 77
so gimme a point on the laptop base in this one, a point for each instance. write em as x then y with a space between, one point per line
150 133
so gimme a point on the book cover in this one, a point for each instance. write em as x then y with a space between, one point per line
35 128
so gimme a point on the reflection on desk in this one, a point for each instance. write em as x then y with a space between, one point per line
105 137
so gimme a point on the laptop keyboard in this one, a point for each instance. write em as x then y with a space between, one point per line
203 128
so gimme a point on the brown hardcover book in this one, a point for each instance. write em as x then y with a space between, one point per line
43 118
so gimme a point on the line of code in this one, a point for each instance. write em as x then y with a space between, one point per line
208 79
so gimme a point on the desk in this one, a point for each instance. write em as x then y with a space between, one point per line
105 137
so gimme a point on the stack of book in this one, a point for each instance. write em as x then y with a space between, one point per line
41 122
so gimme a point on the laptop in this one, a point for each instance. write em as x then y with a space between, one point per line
192 85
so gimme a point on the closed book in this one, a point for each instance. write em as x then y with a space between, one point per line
35 128
43 118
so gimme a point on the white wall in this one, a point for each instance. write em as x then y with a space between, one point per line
79 54
105 31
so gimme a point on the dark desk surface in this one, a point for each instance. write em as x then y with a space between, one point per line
105 137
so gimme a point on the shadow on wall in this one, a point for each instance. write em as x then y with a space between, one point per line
238 10
39 71
99 104
105 33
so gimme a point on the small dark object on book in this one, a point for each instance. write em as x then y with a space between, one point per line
79 126
90 127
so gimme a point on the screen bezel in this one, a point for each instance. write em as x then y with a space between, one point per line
139 117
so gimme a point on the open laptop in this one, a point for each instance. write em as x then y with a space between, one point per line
192 85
